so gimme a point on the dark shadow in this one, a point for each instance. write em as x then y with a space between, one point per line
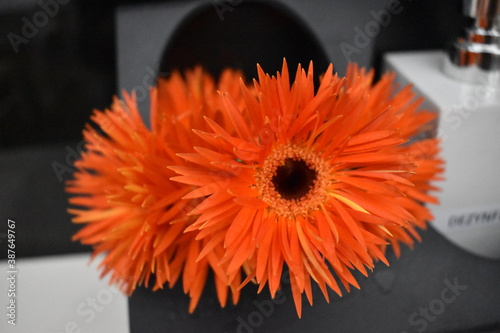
240 37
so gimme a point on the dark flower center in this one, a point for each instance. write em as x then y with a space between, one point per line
294 179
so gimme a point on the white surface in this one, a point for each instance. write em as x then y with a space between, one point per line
55 294
469 121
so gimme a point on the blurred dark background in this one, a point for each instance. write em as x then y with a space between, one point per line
58 62
57 77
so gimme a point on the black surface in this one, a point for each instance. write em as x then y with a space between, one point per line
385 303
61 71
32 194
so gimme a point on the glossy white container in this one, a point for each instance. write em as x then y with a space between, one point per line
469 127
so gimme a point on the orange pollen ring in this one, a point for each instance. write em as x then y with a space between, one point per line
315 195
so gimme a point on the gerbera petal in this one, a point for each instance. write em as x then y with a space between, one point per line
319 178
255 178
129 207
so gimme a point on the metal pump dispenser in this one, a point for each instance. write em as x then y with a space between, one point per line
463 85
475 58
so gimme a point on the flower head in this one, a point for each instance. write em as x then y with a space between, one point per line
320 182
132 212
253 179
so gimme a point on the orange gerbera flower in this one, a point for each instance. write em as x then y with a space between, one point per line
320 182
132 211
